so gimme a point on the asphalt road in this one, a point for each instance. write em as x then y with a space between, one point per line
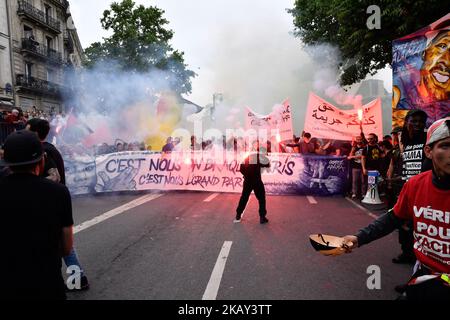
167 249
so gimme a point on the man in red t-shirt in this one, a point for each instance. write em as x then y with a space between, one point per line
424 199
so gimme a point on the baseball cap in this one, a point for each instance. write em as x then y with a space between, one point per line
22 148
438 130
396 129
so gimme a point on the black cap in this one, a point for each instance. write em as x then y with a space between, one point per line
416 111
396 129
22 148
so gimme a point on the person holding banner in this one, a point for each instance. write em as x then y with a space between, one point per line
424 200
306 146
251 170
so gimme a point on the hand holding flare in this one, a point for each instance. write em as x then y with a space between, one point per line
331 245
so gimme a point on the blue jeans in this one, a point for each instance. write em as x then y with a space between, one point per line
72 259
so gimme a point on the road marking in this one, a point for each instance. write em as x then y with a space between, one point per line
311 200
216 277
211 197
116 211
362 208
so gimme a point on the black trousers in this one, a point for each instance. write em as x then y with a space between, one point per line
260 193
435 289
406 240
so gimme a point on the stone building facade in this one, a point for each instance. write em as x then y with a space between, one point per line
45 48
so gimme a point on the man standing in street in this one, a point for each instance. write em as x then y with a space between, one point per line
412 142
251 170
371 159
37 215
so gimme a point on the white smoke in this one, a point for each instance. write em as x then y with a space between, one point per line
326 78
116 104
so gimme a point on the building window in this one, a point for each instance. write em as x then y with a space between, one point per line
49 42
28 70
50 75
28 32
48 13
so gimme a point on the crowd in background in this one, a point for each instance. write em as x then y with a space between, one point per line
17 118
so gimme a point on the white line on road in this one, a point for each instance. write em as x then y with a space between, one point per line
116 211
311 200
216 277
363 209
211 197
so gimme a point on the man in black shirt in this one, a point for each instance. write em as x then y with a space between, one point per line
37 214
412 143
55 160
305 146
42 128
251 170
371 159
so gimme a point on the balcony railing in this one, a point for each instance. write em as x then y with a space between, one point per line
68 41
38 85
38 16
41 51
62 3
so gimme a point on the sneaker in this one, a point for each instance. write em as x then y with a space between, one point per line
353 196
404 259
84 285
238 218
263 220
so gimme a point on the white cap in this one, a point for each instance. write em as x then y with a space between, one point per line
438 130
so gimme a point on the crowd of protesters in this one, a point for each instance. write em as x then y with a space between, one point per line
302 145
120 146
17 118
31 162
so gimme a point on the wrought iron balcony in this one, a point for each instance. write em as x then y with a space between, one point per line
68 41
62 3
37 85
40 51
38 16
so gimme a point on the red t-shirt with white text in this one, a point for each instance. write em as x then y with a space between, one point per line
429 208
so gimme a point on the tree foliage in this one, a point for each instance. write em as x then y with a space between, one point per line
140 43
343 23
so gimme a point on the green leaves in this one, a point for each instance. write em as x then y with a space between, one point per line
140 43
343 23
